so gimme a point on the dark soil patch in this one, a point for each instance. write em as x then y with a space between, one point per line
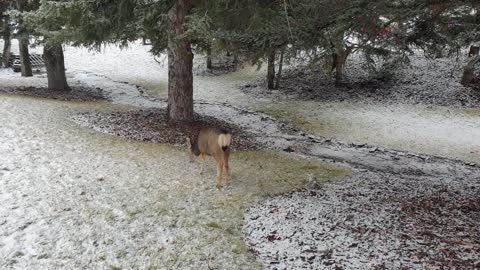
75 94
430 82
153 126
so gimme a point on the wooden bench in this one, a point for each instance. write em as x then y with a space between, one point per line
35 59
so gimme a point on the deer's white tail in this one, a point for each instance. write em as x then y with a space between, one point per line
224 140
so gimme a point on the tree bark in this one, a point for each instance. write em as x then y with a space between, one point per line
271 69
280 66
7 43
235 58
209 56
468 72
180 62
25 57
55 64
26 66
340 59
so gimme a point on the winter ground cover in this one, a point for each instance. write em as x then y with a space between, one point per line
67 190
416 127
370 221
75 198
440 131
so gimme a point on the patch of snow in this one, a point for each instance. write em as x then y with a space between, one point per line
364 222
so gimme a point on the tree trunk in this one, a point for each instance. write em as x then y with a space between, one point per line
280 66
7 43
339 68
54 61
340 59
469 71
180 62
23 43
271 70
209 56
25 58
235 58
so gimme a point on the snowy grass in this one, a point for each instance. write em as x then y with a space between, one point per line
155 87
441 131
75 198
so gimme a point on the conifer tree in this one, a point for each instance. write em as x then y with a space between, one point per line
23 37
6 32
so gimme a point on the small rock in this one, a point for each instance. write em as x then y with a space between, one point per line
311 182
373 149
100 178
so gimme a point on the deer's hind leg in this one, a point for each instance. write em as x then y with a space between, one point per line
219 173
227 172
202 156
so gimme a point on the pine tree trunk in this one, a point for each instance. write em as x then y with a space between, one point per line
7 43
271 70
26 66
54 61
340 60
468 72
25 58
180 62
235 58
280 66
209 56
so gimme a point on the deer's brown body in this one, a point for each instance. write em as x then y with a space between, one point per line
215 143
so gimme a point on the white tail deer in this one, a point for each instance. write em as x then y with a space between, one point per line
216 143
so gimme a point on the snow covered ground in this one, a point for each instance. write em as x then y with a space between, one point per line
370 221
75 198
447 132
440 131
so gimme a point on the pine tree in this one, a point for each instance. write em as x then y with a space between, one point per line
46 20
6 32
23 40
